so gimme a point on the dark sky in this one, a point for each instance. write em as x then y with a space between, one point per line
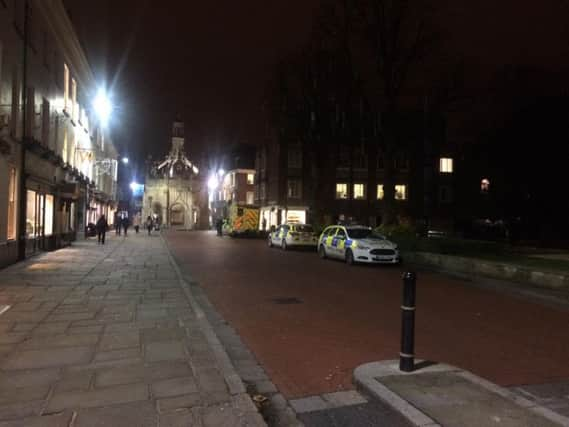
206 60
209 60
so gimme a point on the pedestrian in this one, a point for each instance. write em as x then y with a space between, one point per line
219 226
136 222
149 224
101 228
125 224
118 225
264 224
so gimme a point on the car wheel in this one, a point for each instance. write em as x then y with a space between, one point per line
283 245
350 257
322 252
270 242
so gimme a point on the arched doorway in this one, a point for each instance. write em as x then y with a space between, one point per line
177 212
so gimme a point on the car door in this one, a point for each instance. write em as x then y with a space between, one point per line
339 243
326 239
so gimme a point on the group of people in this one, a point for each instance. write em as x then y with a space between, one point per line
122 223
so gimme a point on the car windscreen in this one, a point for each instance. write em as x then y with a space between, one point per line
304 229
364 233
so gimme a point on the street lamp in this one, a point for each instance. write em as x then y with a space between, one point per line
125 160
103 107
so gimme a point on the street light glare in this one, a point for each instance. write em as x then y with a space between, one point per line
212 182
103 107
125 160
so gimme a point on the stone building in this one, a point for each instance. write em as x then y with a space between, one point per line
57 163
174 193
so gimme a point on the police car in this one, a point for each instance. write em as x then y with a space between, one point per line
287 235
357 244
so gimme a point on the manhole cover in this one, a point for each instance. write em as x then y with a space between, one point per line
288 300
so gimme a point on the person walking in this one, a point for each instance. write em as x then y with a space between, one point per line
125 223
118 225
101 228
149 224
136 222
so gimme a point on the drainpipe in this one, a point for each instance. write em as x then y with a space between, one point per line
23 143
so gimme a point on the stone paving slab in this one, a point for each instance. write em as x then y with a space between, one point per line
109 335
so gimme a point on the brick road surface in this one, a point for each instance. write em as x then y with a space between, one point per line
105 335
351 315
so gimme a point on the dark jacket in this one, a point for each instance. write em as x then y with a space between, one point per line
102 224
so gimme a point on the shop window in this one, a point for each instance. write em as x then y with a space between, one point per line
359 191
250 178
400 192
341 191
446 165
380 193
12 204
294 189
48 215
31 214
250 197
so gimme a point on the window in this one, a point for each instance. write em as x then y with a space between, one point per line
48 215
445 195
294 189
12 204
64 148
294 158
65 88
445 165
250 197
31 217
341 191
250 178
401 162
380 193
359 191
400 192
74 105
341 234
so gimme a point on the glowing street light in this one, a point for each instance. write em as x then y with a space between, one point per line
125 160
212 182
103 107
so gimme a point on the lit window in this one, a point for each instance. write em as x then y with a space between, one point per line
250 178
446 165
380 193
294 190
48 215
400 192
12 204
485 185
74 106
65 87
359 191
250 197
31 214
341 191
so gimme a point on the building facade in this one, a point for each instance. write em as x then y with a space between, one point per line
298 180
57 164
236 186
174 193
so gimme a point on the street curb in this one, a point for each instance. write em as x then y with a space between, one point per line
233 380
367 376
484 268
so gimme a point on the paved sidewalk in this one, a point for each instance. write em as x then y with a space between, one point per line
443 395
109 335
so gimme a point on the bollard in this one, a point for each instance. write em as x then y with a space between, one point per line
407 354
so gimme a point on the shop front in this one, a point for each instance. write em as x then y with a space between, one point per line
272 216
40 220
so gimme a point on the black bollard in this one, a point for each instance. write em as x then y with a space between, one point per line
407 354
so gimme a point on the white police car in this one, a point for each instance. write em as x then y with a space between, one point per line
287 235
357 244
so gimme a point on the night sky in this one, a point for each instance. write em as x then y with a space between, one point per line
210 61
